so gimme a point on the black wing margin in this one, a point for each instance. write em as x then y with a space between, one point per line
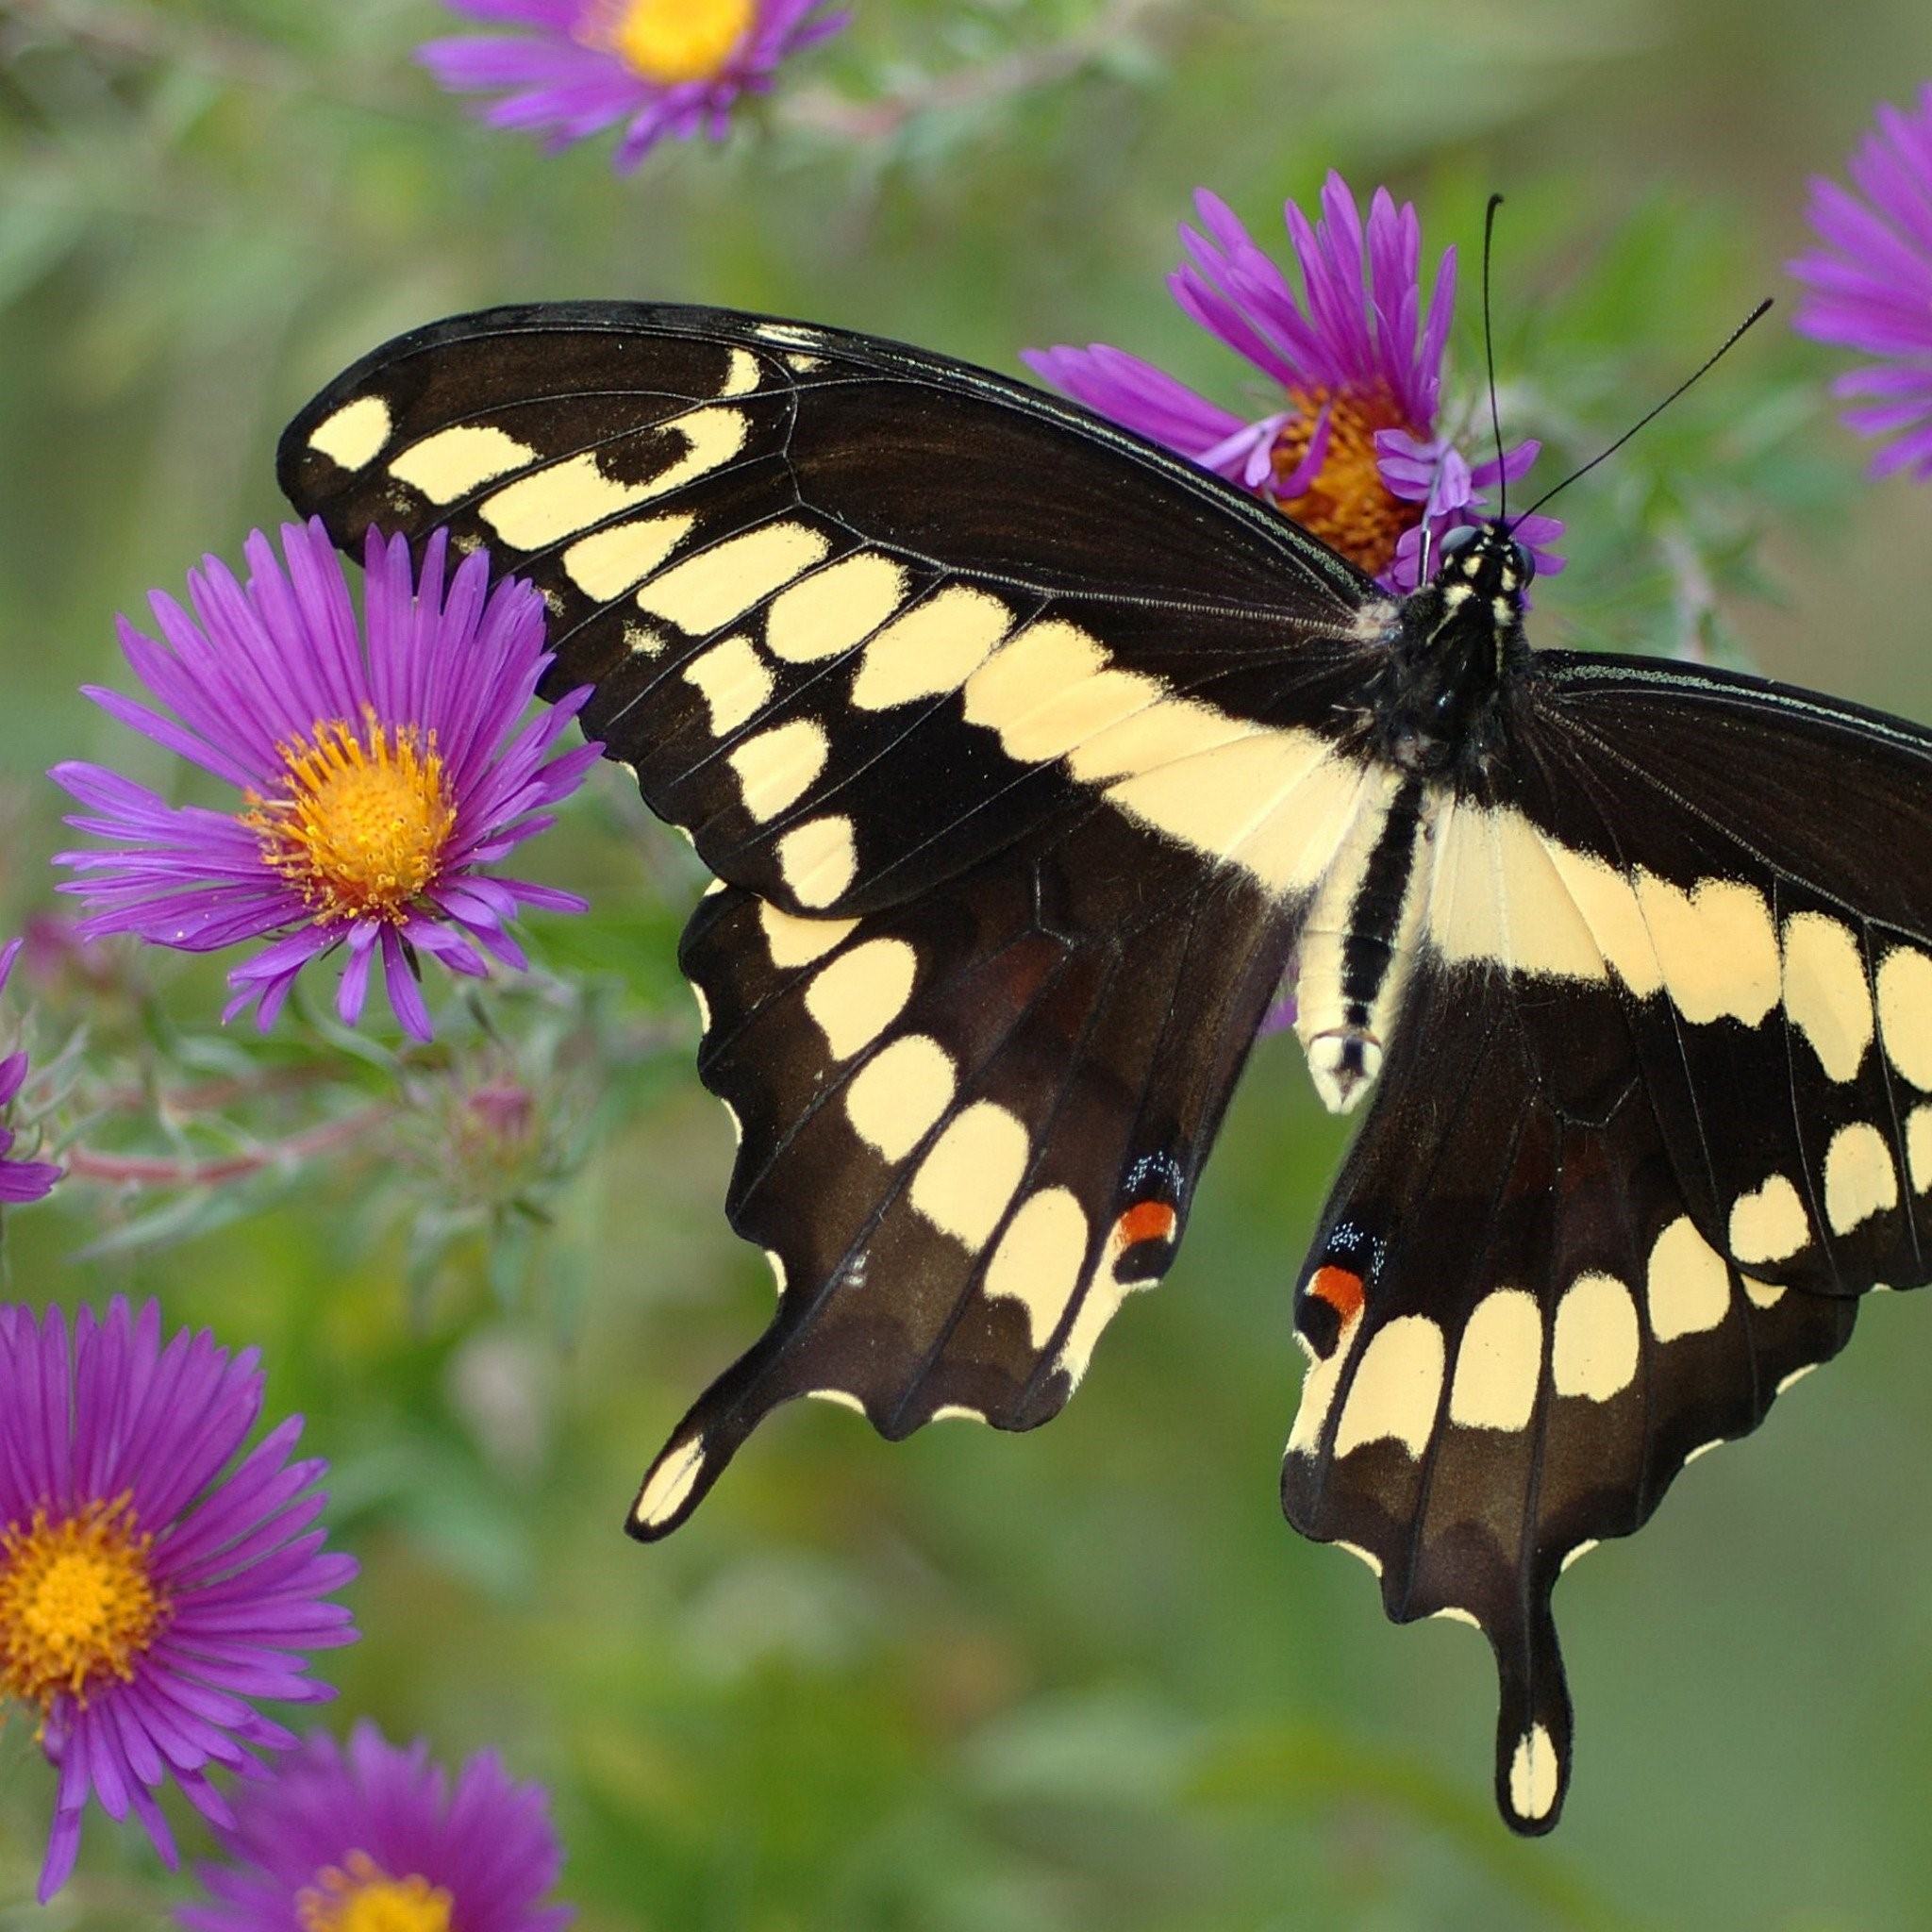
780 555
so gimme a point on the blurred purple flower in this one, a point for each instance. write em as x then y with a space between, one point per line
20 1180
377 777
150 1592
350 1840
665 68
1872 284
1357 453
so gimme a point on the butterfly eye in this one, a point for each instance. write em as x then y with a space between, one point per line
1460 539
1523 561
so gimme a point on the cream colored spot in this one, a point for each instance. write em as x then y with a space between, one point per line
1452 1613
1099 1304
1594 1350
817 859
1397 1387
1769 1225
1716 945
1919 1148
669 1485
835 607
737 1124
844 1398
734 681
1689 1287
933 648
794 941
1607 903
955 1413
1796 1376
707 592
354 434
1318 1385
971 1173
642 641
609 562
803 365
1763 1294
1581 1551
453 461
1039 1260
860 994
776 767
1704 1449
1361 1555
1859 1179
704 1002
1496 894
895 1098
1825 994
1905 1013
1533 1775
776 1262
1499 1362
742 373
789 335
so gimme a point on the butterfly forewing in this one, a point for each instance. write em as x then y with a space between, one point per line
787 560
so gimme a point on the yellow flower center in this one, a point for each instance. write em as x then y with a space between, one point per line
672 40
362 827
1348 505
360 1896
76 1602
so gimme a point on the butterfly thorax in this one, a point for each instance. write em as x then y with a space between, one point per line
1433 728
1437 707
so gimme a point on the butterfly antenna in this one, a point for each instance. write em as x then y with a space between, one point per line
1489 357
1730 342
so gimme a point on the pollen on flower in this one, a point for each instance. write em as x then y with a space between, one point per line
1346 504
360 1896
77 1603
364 823
672 42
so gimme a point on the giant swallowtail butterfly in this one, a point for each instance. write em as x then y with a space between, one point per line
1028 759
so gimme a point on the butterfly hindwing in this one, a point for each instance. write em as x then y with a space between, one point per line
969 1126
854 615
1517 1335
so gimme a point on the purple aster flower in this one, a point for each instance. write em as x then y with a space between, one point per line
152 1589
1356 452
20 1180
662 67
1872 284
349 1840
378 778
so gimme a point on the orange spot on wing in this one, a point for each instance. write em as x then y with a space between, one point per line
1340 1289
1146 1221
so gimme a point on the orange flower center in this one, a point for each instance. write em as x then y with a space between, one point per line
1347 505
359 1895
76 1602
674 41
362 827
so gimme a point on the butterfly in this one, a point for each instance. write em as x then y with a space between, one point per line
1030 761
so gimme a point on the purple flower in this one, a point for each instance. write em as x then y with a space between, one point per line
372 1836
20 1180
662 67
150 1593
376 779
1872 284
1356 452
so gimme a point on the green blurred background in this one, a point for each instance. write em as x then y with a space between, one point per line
1085 1679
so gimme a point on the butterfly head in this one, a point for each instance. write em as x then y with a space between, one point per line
1484 560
